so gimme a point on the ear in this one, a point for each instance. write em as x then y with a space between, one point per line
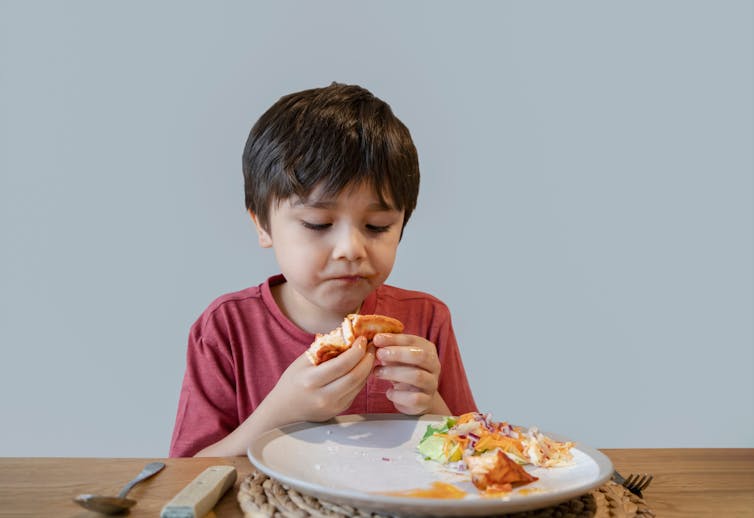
265 239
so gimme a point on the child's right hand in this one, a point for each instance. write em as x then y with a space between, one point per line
306 392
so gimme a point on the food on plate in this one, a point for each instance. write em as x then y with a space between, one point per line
436 490
492 452
330 345
494 471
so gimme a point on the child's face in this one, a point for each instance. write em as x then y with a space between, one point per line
333 252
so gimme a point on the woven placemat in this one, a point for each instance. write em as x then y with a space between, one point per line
260 496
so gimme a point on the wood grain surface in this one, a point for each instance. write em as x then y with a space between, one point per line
688 482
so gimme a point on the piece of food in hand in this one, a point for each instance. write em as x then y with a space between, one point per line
494 471
339 340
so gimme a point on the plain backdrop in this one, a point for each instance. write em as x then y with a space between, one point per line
585 209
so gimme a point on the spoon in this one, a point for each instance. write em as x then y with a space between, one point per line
118 504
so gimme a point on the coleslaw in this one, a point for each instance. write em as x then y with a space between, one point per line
474 434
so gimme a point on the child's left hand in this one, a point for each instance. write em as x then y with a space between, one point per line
411 364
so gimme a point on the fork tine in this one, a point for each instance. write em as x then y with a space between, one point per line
645 483
638 482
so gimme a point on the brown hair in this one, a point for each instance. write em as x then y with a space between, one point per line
336 136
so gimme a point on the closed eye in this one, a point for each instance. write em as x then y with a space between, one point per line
316 226
378 228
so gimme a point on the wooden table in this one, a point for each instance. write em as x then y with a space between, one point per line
688 482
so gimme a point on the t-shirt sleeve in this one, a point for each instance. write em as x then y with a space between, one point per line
207 404
453 386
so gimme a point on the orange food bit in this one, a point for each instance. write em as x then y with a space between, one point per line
437 490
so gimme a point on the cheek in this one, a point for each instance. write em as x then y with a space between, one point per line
300 256
385 254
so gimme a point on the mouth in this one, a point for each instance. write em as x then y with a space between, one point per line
348 278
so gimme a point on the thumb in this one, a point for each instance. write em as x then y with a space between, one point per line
360 344
344 362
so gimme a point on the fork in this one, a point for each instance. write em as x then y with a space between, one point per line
634 483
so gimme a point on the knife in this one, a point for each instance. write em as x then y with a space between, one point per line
201 494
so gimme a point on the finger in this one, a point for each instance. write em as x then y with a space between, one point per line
409 402
348 385
423 357
404 386
341 364
419 378
358 374
387 339
363 369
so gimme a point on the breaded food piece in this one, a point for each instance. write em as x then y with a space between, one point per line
339 340
494 471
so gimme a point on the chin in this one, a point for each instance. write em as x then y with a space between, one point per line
346 308
345 299
347 305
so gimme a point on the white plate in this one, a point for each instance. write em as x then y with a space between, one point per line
355 459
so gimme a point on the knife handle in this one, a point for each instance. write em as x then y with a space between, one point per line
201 494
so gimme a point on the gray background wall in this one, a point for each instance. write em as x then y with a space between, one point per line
586 203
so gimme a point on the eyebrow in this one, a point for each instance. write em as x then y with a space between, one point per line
330 204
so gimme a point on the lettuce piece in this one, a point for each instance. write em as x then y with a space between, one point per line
449 423
432 447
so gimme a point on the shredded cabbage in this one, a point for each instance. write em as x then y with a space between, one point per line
475 433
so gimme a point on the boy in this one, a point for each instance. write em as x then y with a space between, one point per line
331 178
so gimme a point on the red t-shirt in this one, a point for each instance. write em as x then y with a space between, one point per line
242 343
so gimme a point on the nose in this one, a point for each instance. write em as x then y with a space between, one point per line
349 244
